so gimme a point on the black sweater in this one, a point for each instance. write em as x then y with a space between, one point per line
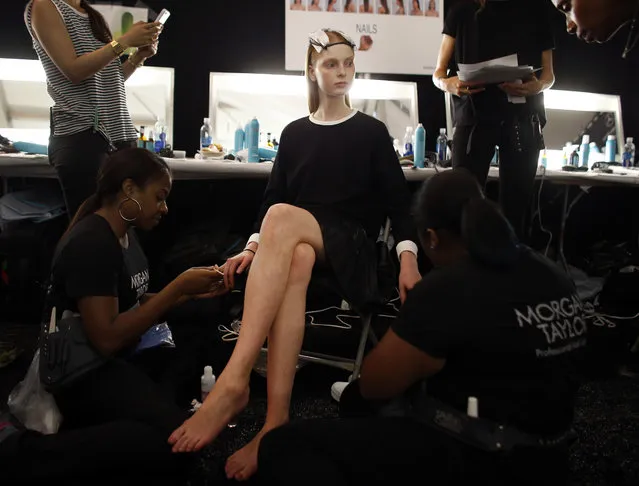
343 170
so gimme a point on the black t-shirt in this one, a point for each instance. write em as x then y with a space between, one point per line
342 170
512 338
91 262
502 28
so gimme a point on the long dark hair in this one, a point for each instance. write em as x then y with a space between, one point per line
137 164
384 3
99 26
453 202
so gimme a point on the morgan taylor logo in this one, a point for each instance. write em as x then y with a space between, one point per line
562 323
140 283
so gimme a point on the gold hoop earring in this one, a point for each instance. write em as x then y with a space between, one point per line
129 220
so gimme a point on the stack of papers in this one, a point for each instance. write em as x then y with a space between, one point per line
495 71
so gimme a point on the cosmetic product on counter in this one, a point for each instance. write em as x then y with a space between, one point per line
246 133
574 158
584 153
160 136
239 139
442 145
206 134
629 153
150 143
141 138
254 140
408 142
611 149
420 146
544 159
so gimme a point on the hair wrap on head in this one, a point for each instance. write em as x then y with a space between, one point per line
320 40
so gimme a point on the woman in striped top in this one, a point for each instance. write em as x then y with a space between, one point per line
85 78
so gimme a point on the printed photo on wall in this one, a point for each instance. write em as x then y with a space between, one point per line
316 6
366 6
334 6
432 10
382 7
298 4
350 6
398 7
416 7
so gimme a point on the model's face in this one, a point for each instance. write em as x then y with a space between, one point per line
595 20
334 70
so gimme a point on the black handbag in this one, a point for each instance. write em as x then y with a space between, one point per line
66 354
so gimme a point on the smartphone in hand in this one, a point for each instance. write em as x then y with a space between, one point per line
163 16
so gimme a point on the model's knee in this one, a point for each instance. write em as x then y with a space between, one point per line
282 221
302 264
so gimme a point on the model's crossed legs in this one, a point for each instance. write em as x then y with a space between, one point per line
274 308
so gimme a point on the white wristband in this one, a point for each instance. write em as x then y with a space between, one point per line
406 245
255 238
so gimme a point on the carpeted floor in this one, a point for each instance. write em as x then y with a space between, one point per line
607 420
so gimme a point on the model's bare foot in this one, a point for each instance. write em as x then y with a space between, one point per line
219 408
243 464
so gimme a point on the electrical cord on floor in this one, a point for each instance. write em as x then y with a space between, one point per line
231 333
541 224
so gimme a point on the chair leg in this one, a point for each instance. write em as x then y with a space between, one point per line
366 321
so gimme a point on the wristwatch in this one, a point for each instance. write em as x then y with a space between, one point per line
117 48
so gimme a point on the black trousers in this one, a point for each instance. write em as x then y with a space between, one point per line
390 450
77 159
519 144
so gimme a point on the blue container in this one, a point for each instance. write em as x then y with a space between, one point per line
611 148
239 139
420 147
254 141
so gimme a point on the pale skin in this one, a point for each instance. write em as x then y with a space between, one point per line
290 244
459 88
54 38
107 328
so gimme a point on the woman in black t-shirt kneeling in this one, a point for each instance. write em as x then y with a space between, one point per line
116 418
493 321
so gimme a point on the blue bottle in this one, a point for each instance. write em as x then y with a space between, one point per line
254 141
584 153
611 148
246 134
239 139
420 147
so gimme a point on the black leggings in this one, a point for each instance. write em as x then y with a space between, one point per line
519 145
77 159
390 450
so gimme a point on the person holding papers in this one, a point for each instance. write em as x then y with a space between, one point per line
508 113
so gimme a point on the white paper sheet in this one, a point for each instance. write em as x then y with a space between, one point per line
492 69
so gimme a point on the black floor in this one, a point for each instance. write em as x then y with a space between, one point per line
607 421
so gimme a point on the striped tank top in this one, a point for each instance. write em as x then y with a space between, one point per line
99 101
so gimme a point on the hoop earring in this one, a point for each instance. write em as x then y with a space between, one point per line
129 220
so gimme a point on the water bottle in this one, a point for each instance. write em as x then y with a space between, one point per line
160 136
584 153
254 140
420 146
495 160
206 134
629 153
442 145
239 139
574 158
207 382
408 142
611 148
